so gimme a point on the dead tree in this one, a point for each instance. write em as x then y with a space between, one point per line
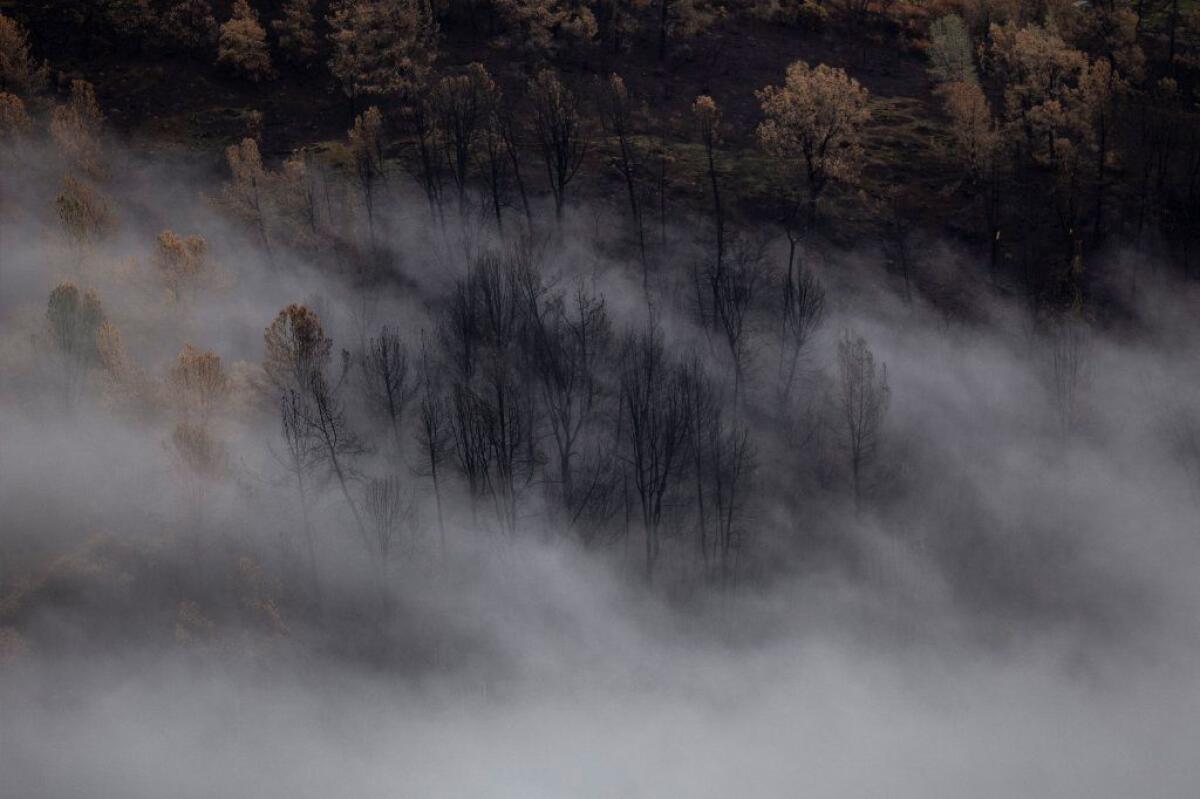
863 399
562 137
801 313
434 437
617 117
366 153
734 289
655 428
300 458
461 104
708 121
567 350
387 387
387 506
336 446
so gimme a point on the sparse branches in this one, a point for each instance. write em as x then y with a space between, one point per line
863 399
366 154
1069 372
387 385
655 426
708 120
617 116
461 105
734 290
561 133
336 446
301 456
388 506
568 347
434 436
801 314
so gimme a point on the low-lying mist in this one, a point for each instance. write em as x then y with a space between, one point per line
997 598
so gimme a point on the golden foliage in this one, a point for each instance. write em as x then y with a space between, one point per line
297 349
382 48
197 383
242 44
181 263
77 127
708 118
14 119
246 190
543 27
19 73
976 139
817 118
83 213
296 30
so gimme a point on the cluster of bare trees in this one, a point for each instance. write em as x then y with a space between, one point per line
520 411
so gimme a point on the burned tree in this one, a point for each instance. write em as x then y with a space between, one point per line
562 137
655 427
863 398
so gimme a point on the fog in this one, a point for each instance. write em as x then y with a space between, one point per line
1012 612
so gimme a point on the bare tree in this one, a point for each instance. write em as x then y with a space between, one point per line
336 446
366 154
708 121
386 383
461 105
388 506
301 457
1069 372
863 398
567 351
801 314
655 428
617 116
734 289
434 437
559 124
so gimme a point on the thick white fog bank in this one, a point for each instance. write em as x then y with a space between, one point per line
812 717
1009 609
